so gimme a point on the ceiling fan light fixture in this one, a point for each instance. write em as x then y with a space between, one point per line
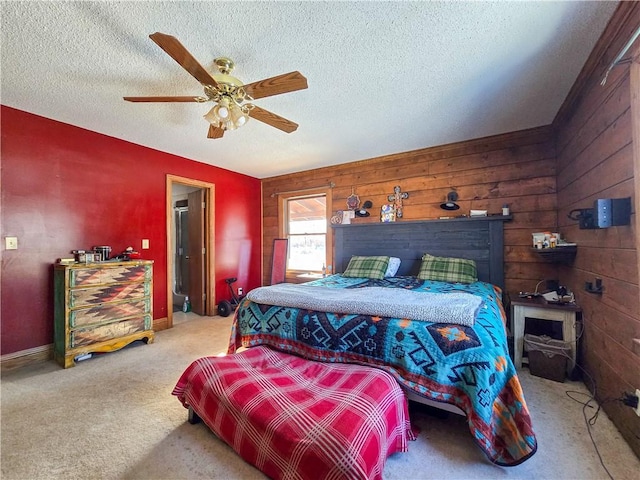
222 112
211 116
227 114
222 109
229 95
241 121
238 116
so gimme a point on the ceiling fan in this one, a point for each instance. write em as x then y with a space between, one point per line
232 99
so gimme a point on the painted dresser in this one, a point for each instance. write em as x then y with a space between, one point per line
101 307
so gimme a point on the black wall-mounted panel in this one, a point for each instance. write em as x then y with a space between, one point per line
610 212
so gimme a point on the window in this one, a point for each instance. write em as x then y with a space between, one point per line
306 228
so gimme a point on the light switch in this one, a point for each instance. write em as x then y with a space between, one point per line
11 243
145 243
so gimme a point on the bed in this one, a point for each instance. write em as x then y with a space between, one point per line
467 366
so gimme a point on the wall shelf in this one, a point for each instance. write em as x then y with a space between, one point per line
367 221
558 254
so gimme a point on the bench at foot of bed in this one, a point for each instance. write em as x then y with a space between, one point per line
295 418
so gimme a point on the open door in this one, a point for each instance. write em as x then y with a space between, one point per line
197 252
204 301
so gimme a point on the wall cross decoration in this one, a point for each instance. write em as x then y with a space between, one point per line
396 197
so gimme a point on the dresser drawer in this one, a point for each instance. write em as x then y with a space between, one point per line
115 274
100 313
108 293
88 336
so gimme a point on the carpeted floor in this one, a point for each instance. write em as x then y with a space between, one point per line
113 417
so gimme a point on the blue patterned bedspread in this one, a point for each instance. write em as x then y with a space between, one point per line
468 367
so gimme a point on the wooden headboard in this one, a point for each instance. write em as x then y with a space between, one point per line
479 239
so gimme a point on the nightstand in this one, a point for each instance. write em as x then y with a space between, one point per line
539 308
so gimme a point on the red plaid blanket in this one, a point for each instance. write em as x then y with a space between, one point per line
298 419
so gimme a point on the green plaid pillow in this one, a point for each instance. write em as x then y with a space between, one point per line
446 269
367 267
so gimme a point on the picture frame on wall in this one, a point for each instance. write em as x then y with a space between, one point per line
387 213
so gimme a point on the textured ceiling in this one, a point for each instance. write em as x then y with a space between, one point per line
384 77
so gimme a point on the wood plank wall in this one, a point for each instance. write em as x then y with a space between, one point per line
595 147
517 168
596 158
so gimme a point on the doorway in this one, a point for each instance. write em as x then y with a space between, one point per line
190 252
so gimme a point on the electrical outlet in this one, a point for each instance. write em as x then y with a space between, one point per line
145 243
240 293
11 243
637 409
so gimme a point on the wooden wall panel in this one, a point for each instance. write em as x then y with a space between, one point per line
486 173
597 154
591 151
576 163
612 100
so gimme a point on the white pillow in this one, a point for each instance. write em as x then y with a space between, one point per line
392 268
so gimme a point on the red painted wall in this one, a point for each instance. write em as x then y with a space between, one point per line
65 188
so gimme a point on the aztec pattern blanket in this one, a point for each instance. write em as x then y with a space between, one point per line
468 367
297 419
453 307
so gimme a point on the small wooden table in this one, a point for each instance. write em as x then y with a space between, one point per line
539 308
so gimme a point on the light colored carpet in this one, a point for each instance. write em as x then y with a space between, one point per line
113 416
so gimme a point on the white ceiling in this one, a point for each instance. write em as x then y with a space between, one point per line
384 77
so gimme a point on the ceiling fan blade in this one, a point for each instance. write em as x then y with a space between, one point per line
272 119
215 132
164 99
288 82
180 54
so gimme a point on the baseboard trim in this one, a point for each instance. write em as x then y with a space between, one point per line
160 324
19 359
14 360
